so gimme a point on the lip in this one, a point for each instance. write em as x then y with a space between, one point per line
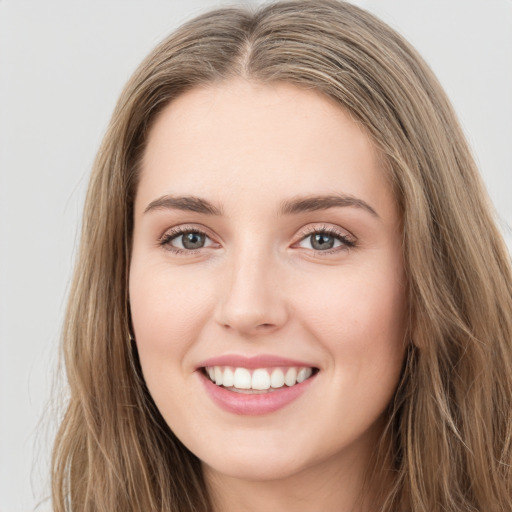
252 363
253 404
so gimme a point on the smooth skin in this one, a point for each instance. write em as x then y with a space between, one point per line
246 276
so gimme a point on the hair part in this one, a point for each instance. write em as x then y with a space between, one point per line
448 442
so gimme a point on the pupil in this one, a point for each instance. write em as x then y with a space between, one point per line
193 240
322 241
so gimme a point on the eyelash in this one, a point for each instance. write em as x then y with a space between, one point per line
346 241
169 236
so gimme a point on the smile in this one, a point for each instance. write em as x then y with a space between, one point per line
259 380
256 385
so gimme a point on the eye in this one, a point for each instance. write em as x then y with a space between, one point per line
185 240
326 240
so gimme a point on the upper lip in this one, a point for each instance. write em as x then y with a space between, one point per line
253 362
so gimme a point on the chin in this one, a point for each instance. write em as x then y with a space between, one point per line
272 456
261 468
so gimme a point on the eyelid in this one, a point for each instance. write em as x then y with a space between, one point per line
185 228
174 232
348 241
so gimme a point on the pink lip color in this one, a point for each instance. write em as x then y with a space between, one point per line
253 404
251 363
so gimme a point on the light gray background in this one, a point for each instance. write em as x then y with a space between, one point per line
62 65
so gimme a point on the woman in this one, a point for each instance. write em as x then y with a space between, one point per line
290 291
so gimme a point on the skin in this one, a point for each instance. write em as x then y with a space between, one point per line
259 287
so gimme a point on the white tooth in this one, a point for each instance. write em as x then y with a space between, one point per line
291 377
242 378
303 374
260 379
218 376
211 373
228 378
277 378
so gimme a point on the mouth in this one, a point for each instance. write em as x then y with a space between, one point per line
259 380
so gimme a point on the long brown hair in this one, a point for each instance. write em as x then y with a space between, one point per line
449 436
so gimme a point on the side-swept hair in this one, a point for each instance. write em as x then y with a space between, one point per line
448 442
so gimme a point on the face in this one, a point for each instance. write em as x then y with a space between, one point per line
267 258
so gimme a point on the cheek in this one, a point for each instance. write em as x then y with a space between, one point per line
168 309
355 301
360 323
359 317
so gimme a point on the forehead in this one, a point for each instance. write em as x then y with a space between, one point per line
279 139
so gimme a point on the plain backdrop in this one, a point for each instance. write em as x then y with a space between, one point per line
62 66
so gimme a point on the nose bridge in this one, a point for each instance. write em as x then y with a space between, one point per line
252 300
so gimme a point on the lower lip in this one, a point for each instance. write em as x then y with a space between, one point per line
254 404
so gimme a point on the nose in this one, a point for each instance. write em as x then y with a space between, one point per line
252 301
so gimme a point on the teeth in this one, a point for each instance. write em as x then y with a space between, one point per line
277 378
228 379
291 377
242 378
303 374
261 379
218 375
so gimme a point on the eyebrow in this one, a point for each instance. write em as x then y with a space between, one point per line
289 207
185 203
315 203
